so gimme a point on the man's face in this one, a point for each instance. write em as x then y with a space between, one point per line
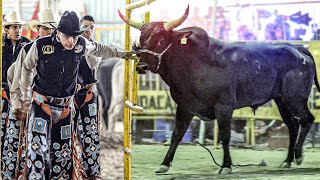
68 42
44 31
14 32
88 33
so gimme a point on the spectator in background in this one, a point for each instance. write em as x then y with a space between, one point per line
278 28
209 20
270 33
222 26
249 23
196 19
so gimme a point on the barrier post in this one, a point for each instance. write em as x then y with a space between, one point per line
130 90
252 131
216 133
202 131
1 73
127 113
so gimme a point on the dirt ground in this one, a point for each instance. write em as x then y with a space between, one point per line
111 156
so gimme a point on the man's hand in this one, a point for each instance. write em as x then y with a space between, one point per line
128 55
24 110
16 114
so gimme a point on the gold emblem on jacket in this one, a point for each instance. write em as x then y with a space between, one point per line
47 49
78 48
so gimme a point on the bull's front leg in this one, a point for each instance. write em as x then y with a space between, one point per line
183 119
224 116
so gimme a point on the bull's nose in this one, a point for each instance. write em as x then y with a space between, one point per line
141 68
138 53
136 46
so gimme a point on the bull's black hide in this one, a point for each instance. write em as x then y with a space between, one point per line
210 78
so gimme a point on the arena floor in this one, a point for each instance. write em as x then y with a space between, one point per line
194 162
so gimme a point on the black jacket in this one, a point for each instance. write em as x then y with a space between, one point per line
57 68
9 54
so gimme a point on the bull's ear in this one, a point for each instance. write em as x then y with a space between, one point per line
183 36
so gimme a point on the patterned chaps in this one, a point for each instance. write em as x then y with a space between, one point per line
88 131
10 141
50 140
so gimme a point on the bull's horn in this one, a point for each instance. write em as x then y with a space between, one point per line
130 22
175 23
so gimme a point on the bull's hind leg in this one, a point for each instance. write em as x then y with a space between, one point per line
306 120
293 127
224 116
296 86
183 119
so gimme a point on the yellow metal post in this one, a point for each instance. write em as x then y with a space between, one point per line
253 136
248 130
1 70
138 4
130 90
127 113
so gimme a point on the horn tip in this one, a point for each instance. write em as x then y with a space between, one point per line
120 14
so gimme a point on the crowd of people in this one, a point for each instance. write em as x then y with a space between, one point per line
49 127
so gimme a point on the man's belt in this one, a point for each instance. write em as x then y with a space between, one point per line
87 86
58 101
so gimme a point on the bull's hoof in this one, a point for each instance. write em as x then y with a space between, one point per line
285 165
299 160
167 143
224 170
162 169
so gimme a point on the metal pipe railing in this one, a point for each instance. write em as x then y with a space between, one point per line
130 89
138 4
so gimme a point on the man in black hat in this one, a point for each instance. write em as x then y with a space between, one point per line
56 59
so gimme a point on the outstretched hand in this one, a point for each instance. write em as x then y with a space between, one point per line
130 55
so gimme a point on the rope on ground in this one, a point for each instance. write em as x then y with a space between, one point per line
209 153
262 163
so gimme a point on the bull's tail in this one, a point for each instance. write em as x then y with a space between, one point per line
316 82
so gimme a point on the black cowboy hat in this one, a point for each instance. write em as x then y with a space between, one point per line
69 24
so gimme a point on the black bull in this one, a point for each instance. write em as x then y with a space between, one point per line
210 78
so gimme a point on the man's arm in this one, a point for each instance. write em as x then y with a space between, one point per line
10 74
100 50
15 93
92 61
27 74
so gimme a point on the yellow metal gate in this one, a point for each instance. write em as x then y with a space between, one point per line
130 90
